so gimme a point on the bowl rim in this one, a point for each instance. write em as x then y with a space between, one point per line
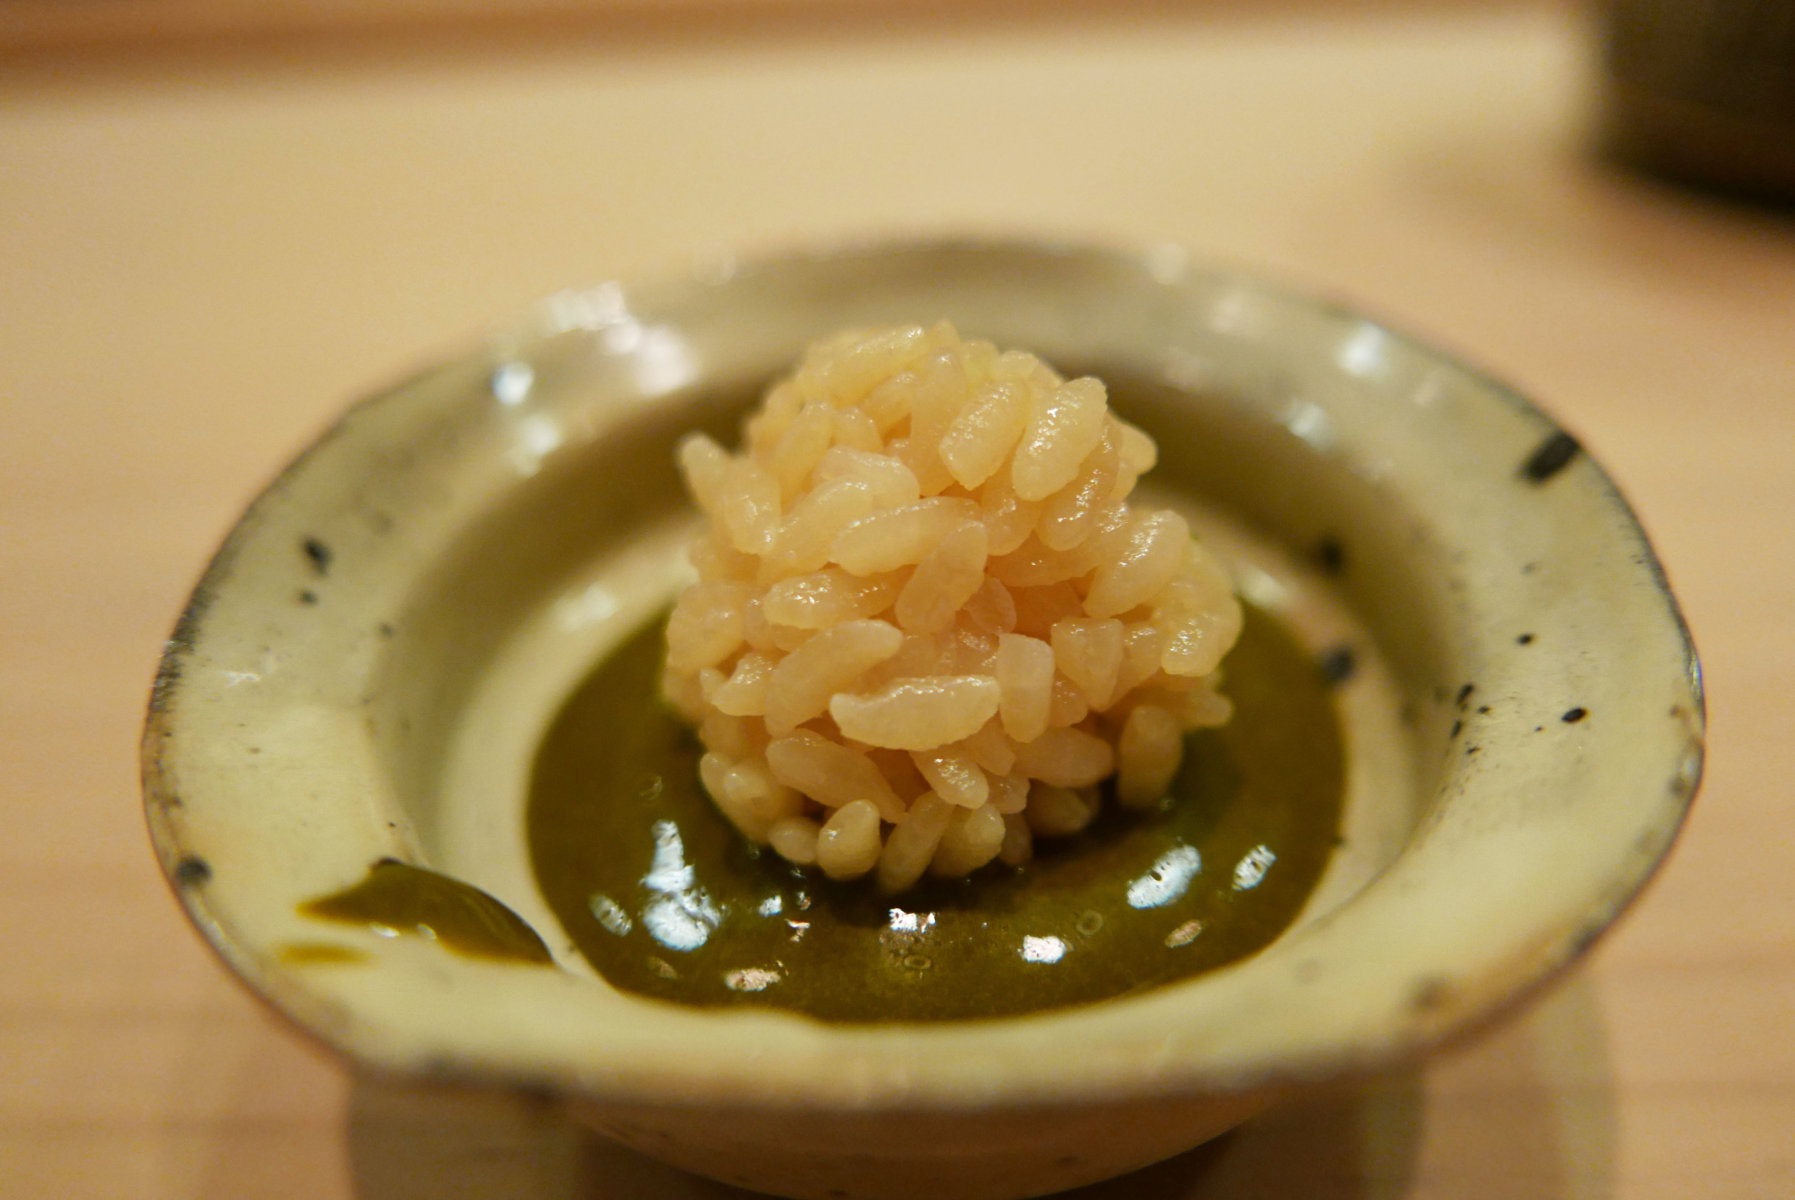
187 873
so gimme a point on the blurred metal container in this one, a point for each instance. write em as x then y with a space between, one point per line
1704 90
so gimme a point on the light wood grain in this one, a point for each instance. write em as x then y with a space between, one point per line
32 26
206 256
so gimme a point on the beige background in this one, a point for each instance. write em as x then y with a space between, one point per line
207 249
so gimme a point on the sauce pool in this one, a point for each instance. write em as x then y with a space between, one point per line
666 900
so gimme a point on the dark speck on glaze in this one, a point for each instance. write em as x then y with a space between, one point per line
319 554
1330 555
1337 665
192 871
1574 715
1550 457
1429 994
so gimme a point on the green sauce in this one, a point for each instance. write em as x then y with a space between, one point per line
320 954
412 900
666 900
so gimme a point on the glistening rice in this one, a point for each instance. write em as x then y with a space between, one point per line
928 623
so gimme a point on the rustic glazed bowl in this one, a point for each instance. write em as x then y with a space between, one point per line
367 665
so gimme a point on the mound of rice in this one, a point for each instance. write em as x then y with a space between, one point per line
928 623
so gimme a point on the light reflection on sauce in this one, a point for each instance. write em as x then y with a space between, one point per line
1167 879
1250 871
751 979
680 915
1184 935
665 900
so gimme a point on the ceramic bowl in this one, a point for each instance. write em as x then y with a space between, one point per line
366 666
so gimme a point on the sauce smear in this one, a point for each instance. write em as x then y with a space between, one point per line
412 900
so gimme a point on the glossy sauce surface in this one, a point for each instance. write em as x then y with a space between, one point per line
666 900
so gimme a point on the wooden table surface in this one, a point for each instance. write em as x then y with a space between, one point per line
206 252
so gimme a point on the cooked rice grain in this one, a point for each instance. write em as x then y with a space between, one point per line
929 624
